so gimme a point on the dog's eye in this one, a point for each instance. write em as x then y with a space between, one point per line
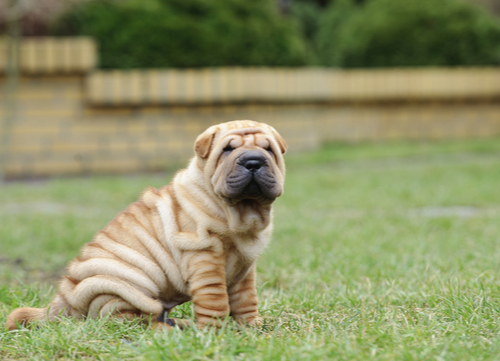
228 149
269 149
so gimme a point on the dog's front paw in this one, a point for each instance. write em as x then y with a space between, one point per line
253 321
171 323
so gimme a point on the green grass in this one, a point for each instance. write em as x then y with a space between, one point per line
380 251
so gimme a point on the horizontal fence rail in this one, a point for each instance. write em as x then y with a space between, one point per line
235 85
71 119
53 56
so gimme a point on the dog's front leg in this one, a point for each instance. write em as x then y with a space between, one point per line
243 300
207 288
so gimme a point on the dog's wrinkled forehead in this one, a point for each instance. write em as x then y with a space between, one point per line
245 131
246 137
241 132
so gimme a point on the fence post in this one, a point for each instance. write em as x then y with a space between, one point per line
10 98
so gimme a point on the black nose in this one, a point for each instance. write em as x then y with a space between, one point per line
252 161
253 164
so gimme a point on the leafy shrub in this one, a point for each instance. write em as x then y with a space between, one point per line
306 14
328 36
186 33
408 33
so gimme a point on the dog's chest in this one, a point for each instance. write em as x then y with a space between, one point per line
236 267
240 255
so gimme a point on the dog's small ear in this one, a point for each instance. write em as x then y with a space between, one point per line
281 142
203 143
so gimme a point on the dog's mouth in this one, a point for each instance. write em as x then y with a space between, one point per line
259 188
252 190
251 179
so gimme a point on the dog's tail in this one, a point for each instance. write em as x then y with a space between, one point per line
26 315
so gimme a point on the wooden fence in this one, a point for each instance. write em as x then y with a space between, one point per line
74 119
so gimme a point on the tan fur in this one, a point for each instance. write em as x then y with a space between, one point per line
196 239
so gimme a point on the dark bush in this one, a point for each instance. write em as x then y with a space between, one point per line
328 38
386 33
186 33
307 13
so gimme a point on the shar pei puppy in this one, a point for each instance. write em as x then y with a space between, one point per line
196 239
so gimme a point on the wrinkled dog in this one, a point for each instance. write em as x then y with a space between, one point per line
196 239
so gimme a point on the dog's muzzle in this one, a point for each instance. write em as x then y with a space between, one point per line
251 178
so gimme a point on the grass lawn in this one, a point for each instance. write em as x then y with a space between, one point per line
380 251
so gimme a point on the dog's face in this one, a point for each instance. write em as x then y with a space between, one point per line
243 161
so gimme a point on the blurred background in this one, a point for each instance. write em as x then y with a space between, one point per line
387 238
124 86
